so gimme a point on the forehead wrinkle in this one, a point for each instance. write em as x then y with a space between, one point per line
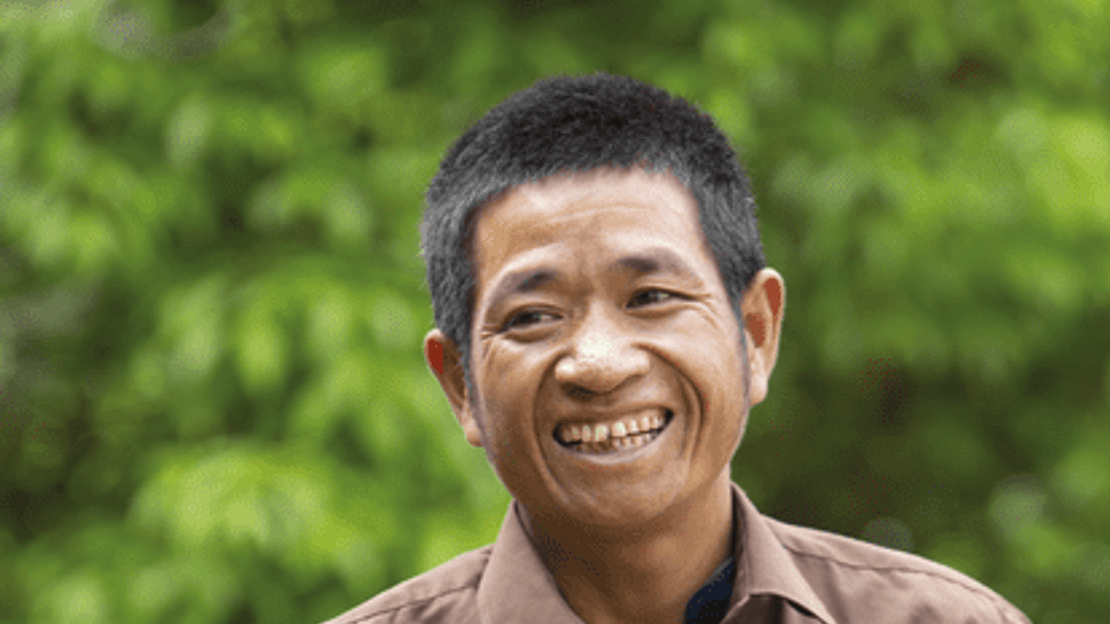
656 259
522 281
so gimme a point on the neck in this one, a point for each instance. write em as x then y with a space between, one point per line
639 574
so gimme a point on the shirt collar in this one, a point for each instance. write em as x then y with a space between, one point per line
518 587
765 567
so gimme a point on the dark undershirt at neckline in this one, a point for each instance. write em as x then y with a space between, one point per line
710 603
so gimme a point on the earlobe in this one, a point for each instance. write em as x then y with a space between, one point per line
473 434
758 376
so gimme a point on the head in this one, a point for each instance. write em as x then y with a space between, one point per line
560 185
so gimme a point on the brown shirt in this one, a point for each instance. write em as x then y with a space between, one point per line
785 574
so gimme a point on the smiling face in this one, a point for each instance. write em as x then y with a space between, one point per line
598 301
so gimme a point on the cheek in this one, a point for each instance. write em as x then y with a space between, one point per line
707 353
510 383
719 386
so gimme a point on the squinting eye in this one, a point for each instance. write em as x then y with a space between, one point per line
666 294
516 320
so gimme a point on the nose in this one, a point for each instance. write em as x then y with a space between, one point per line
602 357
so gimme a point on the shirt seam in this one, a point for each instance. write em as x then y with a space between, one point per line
971 588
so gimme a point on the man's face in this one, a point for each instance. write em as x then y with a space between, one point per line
598 302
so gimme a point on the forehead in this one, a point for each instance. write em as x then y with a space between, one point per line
602 208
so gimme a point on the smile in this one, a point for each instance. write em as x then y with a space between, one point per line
622 434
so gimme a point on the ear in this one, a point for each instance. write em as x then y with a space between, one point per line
762 307
445 360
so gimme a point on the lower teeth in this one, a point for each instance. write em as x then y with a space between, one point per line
607 446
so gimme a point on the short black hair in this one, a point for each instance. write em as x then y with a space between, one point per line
568 124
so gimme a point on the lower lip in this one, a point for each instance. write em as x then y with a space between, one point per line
621 456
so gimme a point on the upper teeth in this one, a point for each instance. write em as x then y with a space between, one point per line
618 428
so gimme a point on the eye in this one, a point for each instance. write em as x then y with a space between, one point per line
663 295
524 319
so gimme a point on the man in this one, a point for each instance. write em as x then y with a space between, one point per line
605 320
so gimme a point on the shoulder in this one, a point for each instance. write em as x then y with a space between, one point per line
859 581
447 593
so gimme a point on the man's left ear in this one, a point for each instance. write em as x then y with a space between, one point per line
762 307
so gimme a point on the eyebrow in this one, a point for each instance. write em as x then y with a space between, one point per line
646 262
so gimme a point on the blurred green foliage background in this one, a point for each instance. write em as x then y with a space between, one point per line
213 405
